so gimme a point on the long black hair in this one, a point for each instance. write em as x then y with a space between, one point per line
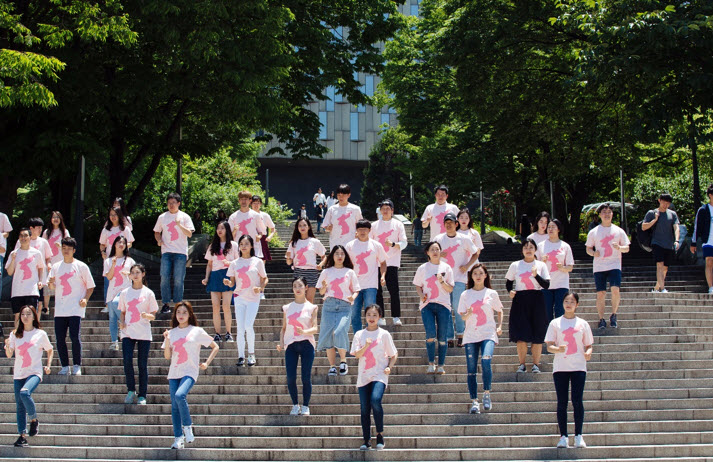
330 257
486 283
296 236
120 214
62 227
113 246
215 243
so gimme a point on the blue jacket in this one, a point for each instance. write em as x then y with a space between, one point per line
702 227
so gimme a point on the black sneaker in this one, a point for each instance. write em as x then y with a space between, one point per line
217 338
21 442
241 362
380 442
343 368
45 310
602 324
364 447
34 427
165 308
612 321
228 338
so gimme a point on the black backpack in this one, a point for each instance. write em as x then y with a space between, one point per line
644 237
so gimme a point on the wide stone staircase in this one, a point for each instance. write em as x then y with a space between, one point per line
649 392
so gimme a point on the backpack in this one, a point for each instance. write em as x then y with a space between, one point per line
644 237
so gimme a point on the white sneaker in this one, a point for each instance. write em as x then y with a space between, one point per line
295 410
563 442
64 371
521 368
305 410
262 296
654 291
188 434
115 346
475 407
105 310
177 443
710 290
664 291
397 321
431 369
579 442
77 370
382 322
440 370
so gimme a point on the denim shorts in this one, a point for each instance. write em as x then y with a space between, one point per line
334 324
707 251
601 277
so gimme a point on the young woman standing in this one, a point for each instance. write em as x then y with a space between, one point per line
54 235
477 307
182 346
299 324
570 339
541 221
28 340
557 255
302 252
339 286
222 251
116 270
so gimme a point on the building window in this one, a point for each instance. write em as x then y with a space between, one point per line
369 85
354 126
414 10
385 119
330 99
322 125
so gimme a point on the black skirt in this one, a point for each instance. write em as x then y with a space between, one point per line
528 317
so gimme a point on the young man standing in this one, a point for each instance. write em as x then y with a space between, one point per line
459 252
172 230
606 243
704 231
369 258
434 213
664 238
391 234
37 242
73 285
27 265
247 221
340 220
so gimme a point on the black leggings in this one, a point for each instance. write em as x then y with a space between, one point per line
562 380
392 283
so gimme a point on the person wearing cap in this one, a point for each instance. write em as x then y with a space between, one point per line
391 234
664 238
458 252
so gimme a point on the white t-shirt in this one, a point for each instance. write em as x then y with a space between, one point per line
710 233
40 244
133 302
249 223
477 241
394 231
481 324
341 282
537 237
186 346
576 334
426 277
28 353
28 266
304 252
108 237
521 272
6 227
72 280
437 213
456 251
344 220
55 242
3 245
298 315
602 238
319 198
247 273
173 239
366 257
121 280
267 221
222 261
557 252
376 357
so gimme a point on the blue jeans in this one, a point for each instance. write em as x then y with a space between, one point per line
436 318
294 351
74 325
2 268
24 402
114 316
458 289
417 236
180 415
485 348
127 347
365 298
370 396
553 302
106 288
172 264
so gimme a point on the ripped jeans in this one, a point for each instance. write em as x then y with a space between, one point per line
485 349
436 318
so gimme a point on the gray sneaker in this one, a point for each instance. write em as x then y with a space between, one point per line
535 369
521 369
487 405
475 407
